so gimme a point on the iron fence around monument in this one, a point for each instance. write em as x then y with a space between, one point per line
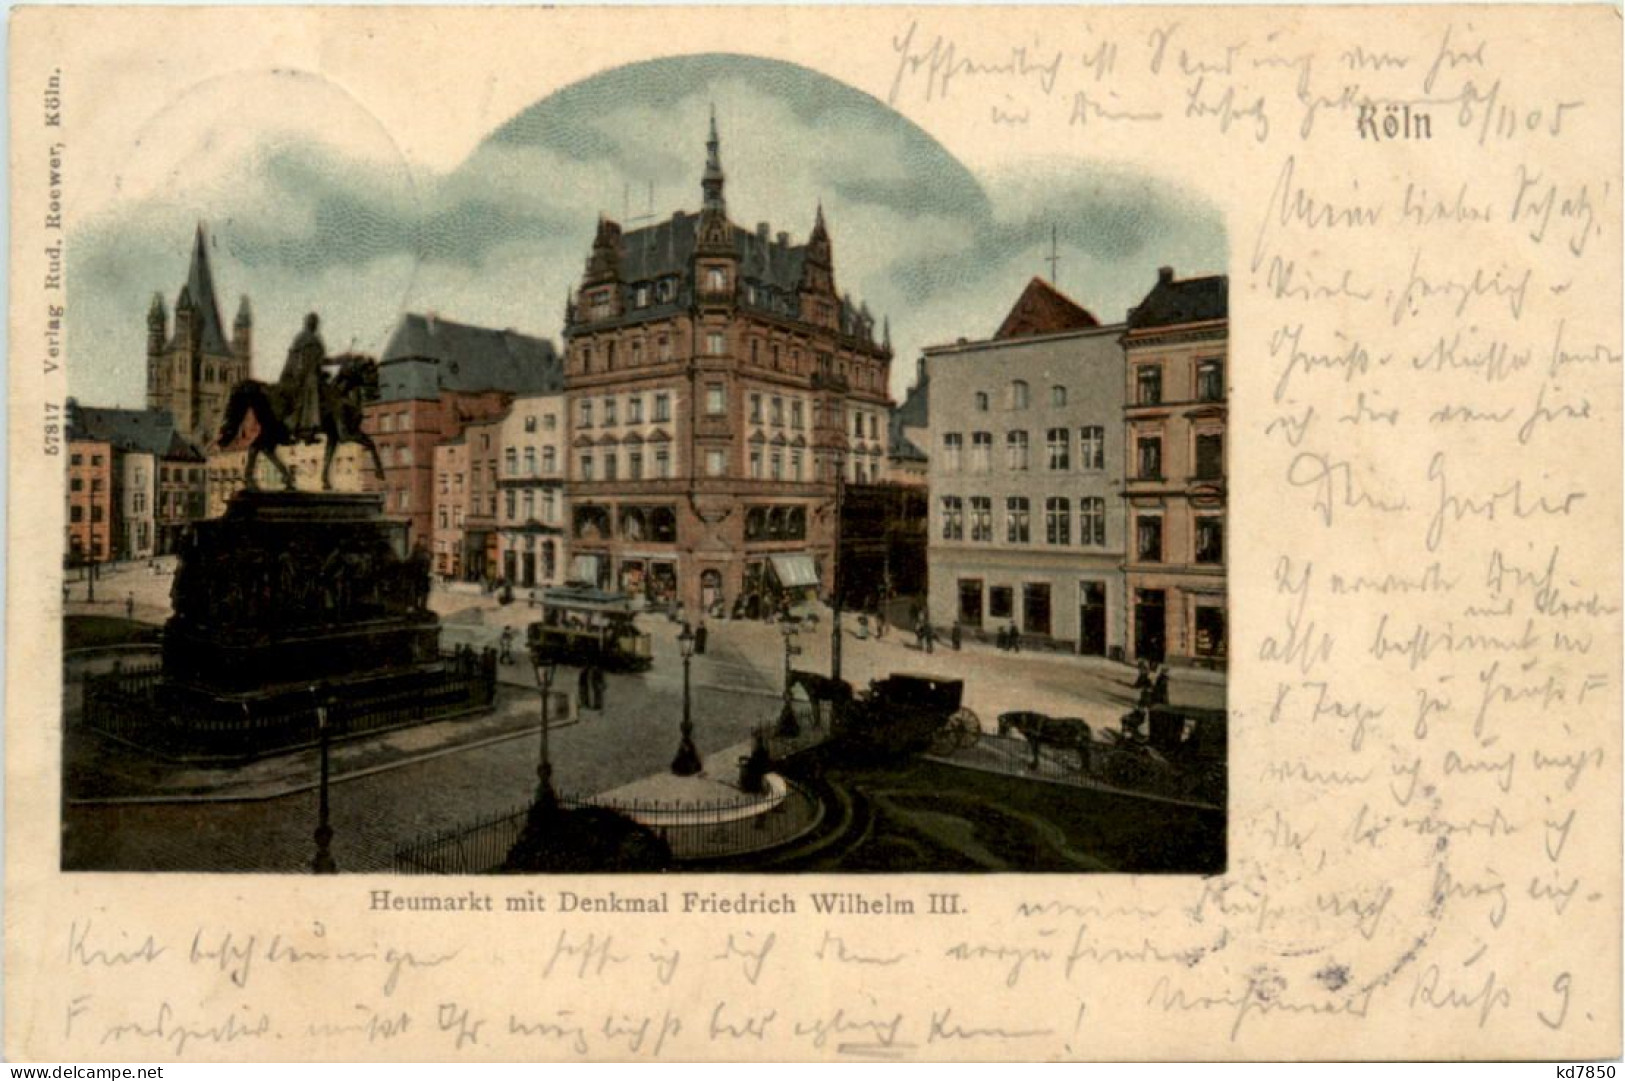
694 832
131 705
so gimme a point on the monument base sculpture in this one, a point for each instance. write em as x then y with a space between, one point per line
289 602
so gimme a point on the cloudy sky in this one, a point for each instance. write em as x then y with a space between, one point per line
301 220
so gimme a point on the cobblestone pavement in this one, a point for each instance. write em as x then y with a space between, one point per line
735 685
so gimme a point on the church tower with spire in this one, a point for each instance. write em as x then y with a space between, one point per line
191 370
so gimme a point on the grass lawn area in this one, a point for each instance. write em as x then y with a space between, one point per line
78 632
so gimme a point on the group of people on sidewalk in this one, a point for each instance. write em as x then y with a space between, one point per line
1151 689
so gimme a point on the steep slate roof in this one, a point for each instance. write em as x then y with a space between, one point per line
199 288
1044 309
427 355
1173 301
915 412
144 431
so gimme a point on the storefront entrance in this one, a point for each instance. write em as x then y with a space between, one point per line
1035 608
1092 619
1150 625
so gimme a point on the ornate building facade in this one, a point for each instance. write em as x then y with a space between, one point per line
716 385
192 365
1176 345
530 539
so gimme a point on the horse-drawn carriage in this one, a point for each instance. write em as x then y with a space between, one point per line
900 714
1183 755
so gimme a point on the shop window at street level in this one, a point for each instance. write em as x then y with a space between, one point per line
1000 602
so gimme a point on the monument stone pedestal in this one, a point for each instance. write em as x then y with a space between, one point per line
293 600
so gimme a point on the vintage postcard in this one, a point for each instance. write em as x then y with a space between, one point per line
814 533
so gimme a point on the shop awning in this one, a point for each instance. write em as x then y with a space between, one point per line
794 571
584 568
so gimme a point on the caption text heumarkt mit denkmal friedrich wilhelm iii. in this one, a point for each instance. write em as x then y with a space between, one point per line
662 902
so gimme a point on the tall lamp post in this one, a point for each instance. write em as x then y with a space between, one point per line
547 800
90 572
835 573
687 763
324 863
789 727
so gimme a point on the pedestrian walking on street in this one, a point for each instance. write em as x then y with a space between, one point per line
1015 639
863 628
129 606
506 656
699 639
1159 686
598 683
953 637
584 689
930 638
880 624
1143 686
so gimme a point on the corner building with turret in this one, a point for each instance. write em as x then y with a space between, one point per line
717 384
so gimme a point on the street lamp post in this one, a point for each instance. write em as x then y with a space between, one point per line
788 725
324 863
90 572
687 763
546 799
835 574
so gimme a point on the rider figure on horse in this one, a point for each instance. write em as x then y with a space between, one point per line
301 383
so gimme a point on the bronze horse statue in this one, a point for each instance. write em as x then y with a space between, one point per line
343 400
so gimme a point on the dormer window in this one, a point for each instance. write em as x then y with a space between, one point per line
642 296
716 279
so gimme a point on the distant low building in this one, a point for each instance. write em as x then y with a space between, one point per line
91 532
437 376
141 481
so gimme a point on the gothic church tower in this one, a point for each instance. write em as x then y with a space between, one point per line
190 371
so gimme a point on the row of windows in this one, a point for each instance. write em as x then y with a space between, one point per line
588 465
588 410
662 352
1091 447
1209 387
511 462
1208 544
517 507
1018 395
1018 520
1209 457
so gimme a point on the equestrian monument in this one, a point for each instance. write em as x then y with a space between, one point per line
297 605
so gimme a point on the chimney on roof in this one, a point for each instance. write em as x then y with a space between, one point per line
762 231
784 240
1165 274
